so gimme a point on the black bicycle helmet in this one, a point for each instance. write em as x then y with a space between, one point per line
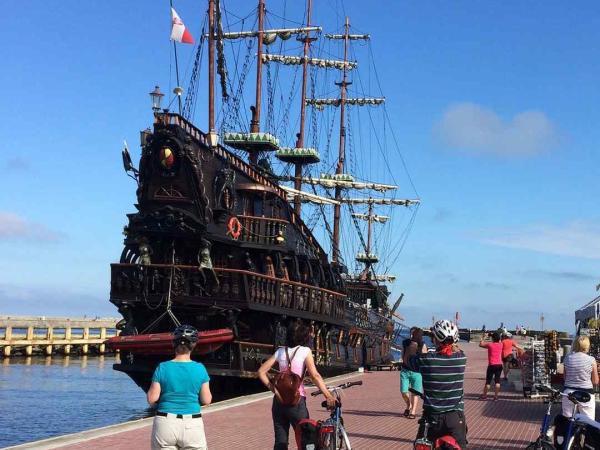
185 333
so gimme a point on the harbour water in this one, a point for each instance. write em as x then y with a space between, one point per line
44 397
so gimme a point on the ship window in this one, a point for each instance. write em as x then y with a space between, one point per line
258 207
246 206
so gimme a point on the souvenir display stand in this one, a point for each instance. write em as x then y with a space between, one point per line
534 369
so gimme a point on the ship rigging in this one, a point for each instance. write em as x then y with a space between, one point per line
220 238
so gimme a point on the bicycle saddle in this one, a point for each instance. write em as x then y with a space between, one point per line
579 397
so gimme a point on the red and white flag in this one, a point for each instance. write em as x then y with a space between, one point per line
179 32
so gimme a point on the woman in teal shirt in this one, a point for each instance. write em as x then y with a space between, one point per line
176 385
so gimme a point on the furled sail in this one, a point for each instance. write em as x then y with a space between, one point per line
381 278
282 33
332 183
380 201
308 197
352 37
320 103
297 60
372 217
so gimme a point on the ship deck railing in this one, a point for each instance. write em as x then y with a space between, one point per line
235 287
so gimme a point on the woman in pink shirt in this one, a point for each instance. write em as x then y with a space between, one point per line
494 369
302 362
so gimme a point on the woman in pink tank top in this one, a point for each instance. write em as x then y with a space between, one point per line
494 369
302 362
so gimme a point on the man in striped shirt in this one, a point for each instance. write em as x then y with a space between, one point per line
443 374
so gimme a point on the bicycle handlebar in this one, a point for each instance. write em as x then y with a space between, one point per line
576 396
341 386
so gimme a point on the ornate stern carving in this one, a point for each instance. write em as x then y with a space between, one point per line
224 189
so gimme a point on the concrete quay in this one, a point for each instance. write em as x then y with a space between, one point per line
372 413
48 335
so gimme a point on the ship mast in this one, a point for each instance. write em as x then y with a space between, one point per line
255 141
211 66
300 141
255 122
342 148
369 234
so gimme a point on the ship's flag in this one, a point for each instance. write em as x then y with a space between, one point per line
179 32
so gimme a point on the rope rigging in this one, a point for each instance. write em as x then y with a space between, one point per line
192 92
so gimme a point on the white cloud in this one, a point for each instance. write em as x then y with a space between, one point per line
579 239
470 127
13 226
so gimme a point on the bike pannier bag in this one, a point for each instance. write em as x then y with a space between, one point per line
307 434
288 383
447 443
561 426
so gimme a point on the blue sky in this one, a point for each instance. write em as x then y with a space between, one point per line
494 105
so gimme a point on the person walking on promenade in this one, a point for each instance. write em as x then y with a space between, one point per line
507 353
581 373
176 386
443 374
494 369
409 378
298 357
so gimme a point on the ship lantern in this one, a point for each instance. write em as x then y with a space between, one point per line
145 136
213 138
156 97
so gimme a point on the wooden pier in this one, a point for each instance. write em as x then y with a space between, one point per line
46 336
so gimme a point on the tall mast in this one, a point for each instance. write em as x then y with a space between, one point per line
365 273
211 65
255 122
300 141
342 149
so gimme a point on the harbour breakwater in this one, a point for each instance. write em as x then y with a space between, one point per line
27 336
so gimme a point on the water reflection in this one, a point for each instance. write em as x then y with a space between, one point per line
85 389
99 362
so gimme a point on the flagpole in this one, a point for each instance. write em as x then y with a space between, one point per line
176 64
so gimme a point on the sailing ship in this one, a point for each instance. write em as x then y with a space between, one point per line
222 242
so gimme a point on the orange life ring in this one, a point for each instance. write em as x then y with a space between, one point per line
234 228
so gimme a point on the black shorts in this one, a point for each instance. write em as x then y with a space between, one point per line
493 371
452 423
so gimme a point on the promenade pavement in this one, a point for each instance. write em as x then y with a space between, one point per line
373 417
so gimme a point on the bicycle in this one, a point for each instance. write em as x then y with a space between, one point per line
544 441
332 434
423 443
576 424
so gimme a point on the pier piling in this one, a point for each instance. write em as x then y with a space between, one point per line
40 335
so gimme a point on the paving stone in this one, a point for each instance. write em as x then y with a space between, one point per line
373 417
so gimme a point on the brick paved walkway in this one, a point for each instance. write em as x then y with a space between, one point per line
372 415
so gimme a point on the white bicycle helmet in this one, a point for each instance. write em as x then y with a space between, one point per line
444 330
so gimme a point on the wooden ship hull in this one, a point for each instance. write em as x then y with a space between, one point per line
216 244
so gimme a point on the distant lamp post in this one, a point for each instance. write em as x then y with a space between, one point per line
156 97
